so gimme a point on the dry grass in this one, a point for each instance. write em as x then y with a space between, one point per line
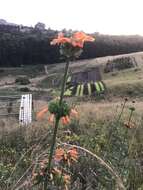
106 110
97 120
94 111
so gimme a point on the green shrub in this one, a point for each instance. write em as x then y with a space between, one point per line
22 81
24 89
119 64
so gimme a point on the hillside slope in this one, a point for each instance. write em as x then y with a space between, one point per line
128 82
138 56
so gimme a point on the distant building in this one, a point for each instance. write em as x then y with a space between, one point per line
88 82
86 76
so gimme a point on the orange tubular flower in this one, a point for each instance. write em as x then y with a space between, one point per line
59 154
63 119
79 38
77 43
51 118
67 119
61 40
41 113
73 154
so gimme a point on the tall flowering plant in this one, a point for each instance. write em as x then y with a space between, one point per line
70 47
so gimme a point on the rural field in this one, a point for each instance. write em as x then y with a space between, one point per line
108 132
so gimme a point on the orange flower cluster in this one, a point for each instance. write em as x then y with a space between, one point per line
55 174
60 39
66 156
65 120
77 40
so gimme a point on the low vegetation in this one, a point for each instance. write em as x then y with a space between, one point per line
22 81
104 133
76 143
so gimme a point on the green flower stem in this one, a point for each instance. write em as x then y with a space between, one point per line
130 117
120 115
64 82
126 164
112 128
56 125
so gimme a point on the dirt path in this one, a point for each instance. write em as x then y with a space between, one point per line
9 82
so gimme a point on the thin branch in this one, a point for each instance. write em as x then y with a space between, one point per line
30 167
22 157
102 162
17 163
22 176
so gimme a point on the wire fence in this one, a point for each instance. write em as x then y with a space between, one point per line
9 106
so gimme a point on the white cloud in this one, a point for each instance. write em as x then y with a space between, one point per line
104 16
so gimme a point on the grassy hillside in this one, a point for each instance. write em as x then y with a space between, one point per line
112 129
127 82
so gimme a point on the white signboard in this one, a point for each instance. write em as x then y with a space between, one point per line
25 113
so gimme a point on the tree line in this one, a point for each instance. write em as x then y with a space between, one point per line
21 45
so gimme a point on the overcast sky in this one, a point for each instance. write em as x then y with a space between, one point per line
104 16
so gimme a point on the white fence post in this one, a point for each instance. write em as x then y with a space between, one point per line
25 112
